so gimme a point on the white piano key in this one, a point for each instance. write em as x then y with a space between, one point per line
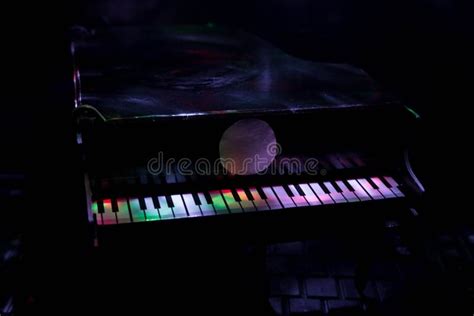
151 213
336 196
98 216
108 216
193 209
349 195
297 198
285 200
323 196
137 214
386 192
259 202
179 209
123 215
233 205
246 204
165 211
207 209
309 195
218 203
394 186
358 190
271 198
374 193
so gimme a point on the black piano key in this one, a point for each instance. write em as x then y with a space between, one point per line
257 200
348 185
236 196
325 189
309 194
348 194
179 208
193 209
300 191
277 197
375 186
374 193
288 191
165 210
232 204
114 206
262 194
298 199
383 189
142 203
338 189
196 198
156 203
170 201
335 195
394 186
387 184
358 190
100 206
249 195
208 198
123 213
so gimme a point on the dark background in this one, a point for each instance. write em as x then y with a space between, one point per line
418 49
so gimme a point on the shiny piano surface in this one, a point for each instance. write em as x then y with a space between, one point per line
171 93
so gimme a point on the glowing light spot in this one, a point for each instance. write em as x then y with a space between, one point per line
417 116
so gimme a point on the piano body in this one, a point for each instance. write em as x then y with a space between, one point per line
145 94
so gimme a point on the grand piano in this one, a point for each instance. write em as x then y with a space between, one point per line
145 95
149 97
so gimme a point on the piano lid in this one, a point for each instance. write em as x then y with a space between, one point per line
204 70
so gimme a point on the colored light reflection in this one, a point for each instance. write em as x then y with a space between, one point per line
218 202
95 208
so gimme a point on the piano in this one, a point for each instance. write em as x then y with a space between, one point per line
147 95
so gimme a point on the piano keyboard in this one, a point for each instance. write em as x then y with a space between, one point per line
243 200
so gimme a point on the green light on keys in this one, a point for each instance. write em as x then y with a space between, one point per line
218 202
95 208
